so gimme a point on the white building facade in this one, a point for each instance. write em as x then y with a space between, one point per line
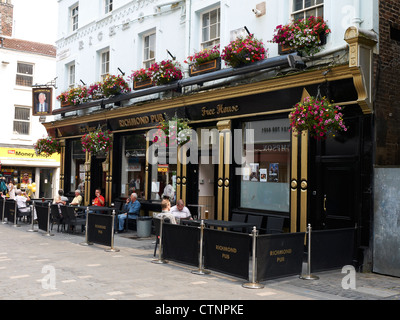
24 64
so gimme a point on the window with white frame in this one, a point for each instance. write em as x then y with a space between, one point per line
210 28
22 120
108 6
149 49
24 74
74 15
71 75
303 9
104 64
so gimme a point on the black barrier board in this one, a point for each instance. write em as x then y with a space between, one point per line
227 252
1 208
332 249
9 210
99 229
181 243
42 217
279 255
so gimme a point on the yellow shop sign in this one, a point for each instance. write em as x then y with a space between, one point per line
26 154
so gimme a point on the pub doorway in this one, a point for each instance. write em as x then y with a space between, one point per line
97 176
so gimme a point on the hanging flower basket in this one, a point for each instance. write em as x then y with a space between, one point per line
165 72
95 91
141 79
306 36
243 51
47 146
97 142
318 116
175 128
114 85
207 60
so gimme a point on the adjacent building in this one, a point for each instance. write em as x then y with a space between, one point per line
23 65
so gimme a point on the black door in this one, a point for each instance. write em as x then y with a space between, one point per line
334 199
97 176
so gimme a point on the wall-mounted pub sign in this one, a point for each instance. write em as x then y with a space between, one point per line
42 101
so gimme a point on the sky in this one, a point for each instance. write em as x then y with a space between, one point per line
36 20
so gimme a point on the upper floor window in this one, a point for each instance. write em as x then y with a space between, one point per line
24 74
71 75
22 120
210 24
105 64
303 9
149 50
74 14
108 6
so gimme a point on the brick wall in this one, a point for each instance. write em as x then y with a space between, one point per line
6 18
387 94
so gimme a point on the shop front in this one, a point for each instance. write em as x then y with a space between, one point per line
29 172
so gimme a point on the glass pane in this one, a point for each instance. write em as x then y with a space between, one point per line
22 114
213 17
297 5
21 127
309 3
213 32
25 68
133 165
206 35
311 13
26 81
320 12
265 182
77 180
206 20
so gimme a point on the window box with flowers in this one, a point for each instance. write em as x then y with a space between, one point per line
47 146
307 36
175 128
95 91
318 116
243 51
141 79
114 85
74 96
207 60
165 72
97 142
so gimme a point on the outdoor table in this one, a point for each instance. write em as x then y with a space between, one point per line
105 210
198 206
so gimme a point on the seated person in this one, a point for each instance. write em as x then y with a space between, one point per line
77 201
98 201
165 211
21 199
180 211
131 209
60 200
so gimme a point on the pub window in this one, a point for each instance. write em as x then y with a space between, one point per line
265 178
108 6
24 74
104 64
133 165
74 15
149 50
303 9
77 167
210 22
22 120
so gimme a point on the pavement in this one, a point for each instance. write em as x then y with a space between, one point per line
36 266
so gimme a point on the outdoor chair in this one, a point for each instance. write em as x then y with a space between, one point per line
71 219
238 218
56 217
256 221
274 225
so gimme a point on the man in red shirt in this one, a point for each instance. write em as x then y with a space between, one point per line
99 200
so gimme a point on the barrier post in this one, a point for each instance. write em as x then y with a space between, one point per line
48 233
201 270
15 214
112 249
309 276
4 209
32 229
253 284
160 260
86 243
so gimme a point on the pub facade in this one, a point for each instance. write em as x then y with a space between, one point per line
325 183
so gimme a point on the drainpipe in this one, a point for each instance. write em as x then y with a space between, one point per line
357 20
